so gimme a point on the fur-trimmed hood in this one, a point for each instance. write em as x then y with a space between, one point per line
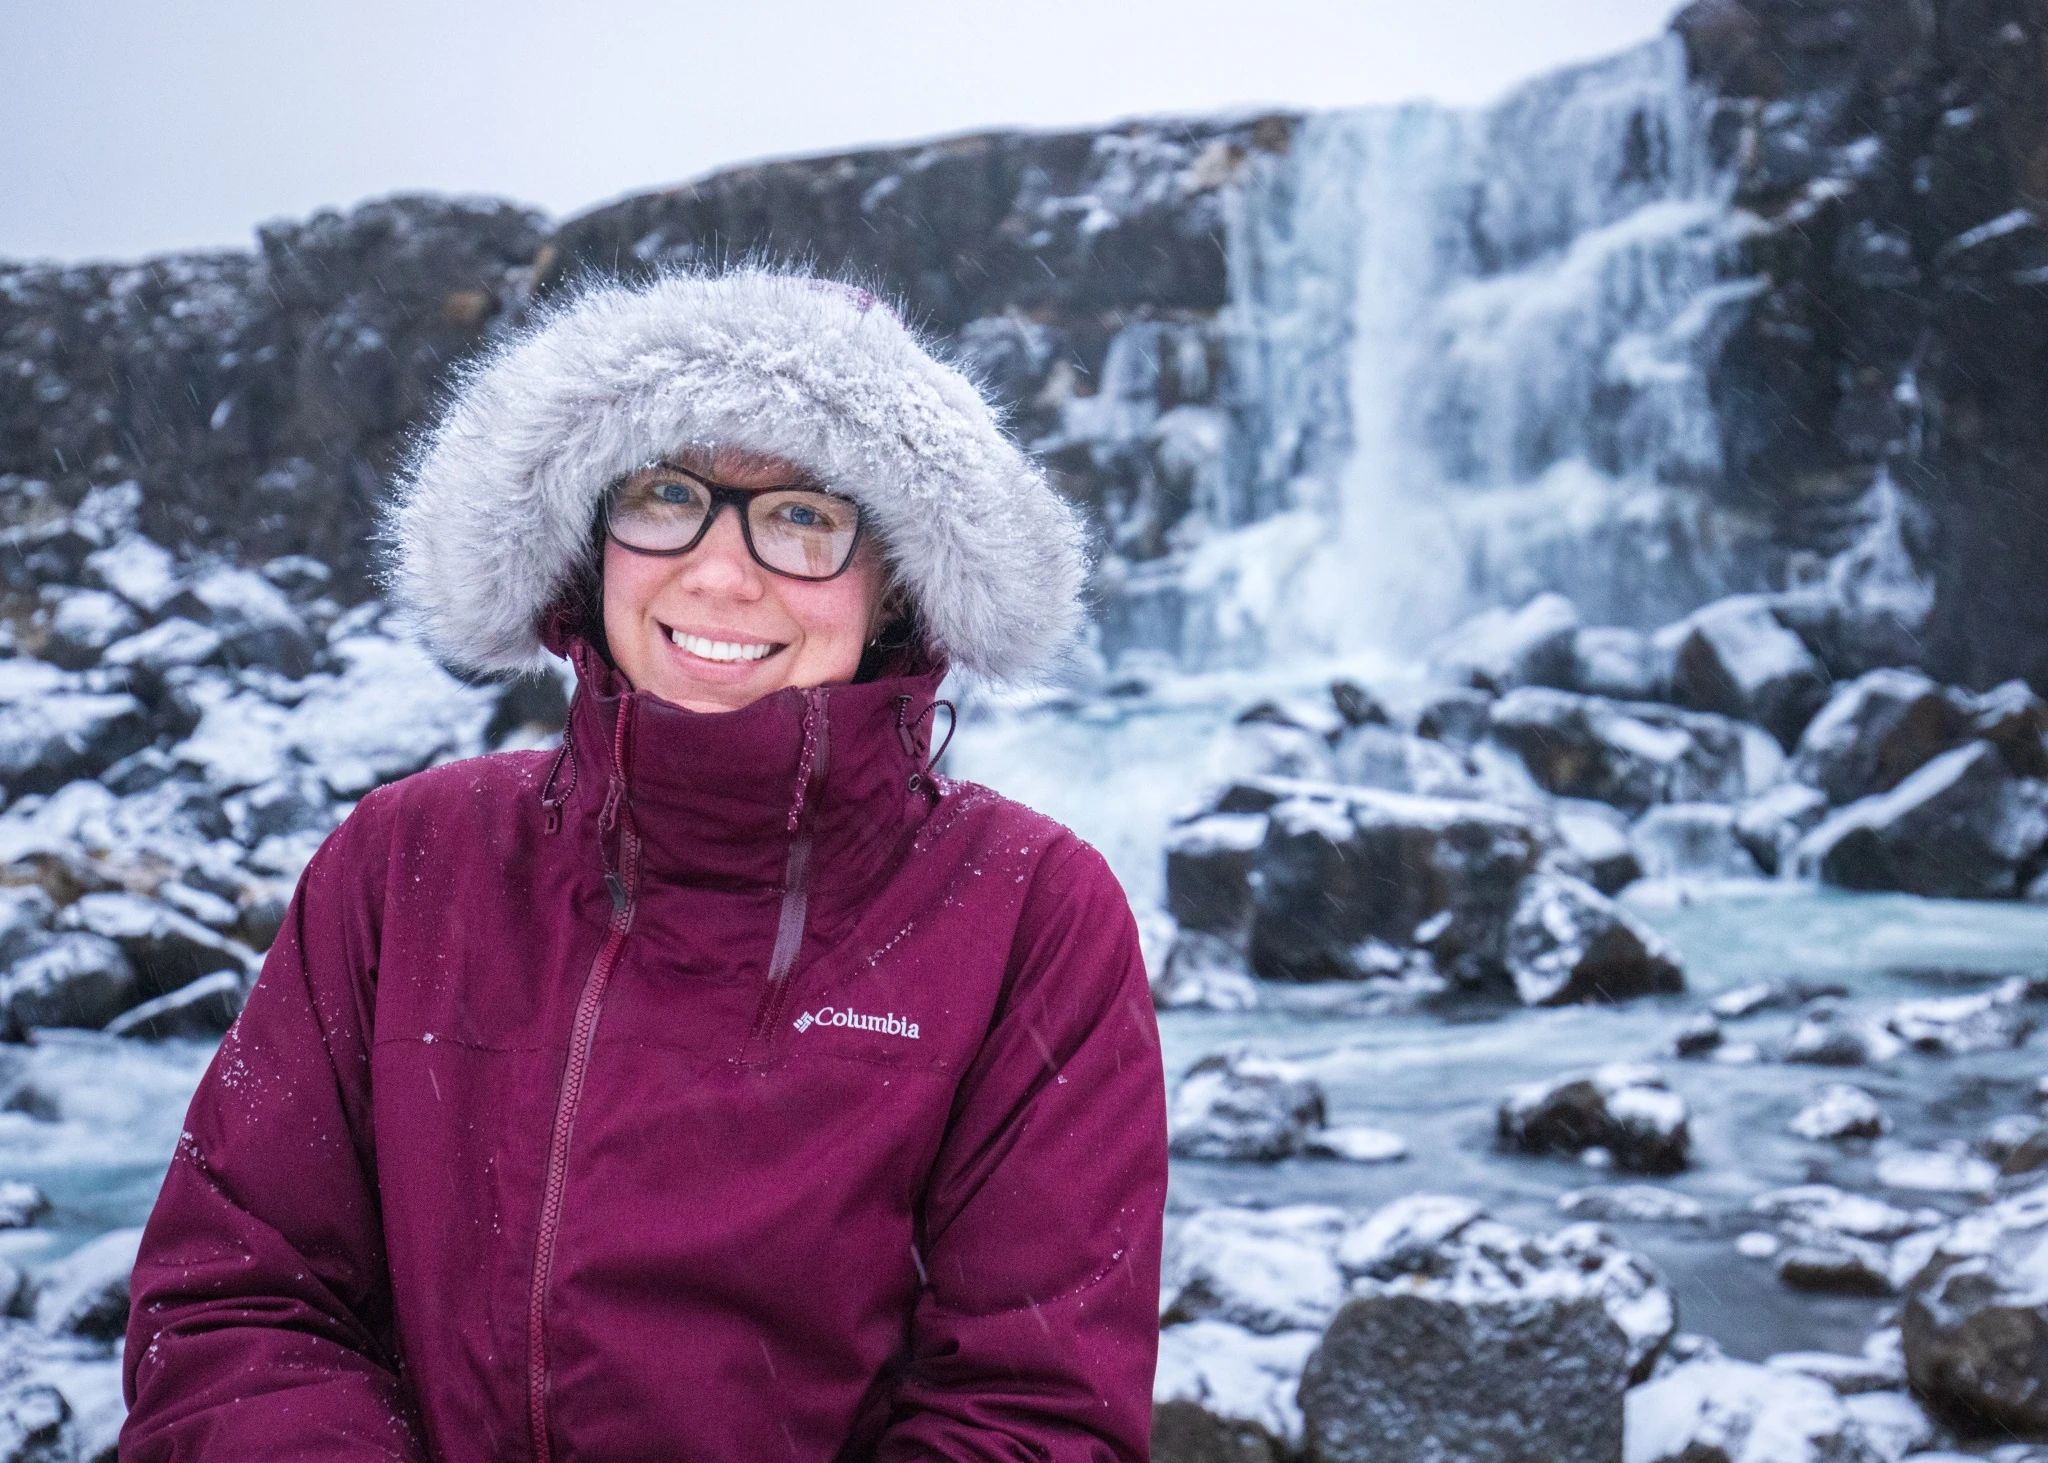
493 510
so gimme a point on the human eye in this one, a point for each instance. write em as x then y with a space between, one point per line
815 513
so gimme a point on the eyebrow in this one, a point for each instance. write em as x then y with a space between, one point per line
697 463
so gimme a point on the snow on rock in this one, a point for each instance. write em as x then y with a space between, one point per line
1738 1412
51 738
1625 1108
1735 657
1567 942
391 712
1773 821
1837 1111
1206 971
1975 1323
1236 1104
79 624
1876 731
1829 1037
1632 1203
1266 1270
139 570
75 979
1632 753
86 1292
1501 648
1963 826
21 1204
1232 1375
1936 1171
166 948
165 645
205 1007
1692 841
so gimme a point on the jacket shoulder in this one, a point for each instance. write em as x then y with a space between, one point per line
1064 869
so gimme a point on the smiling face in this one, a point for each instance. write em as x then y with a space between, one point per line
711 630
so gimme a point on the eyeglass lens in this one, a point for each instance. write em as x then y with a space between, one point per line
801 532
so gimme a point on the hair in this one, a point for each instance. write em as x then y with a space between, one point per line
901 633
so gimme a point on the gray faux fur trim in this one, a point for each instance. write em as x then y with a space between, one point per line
493 508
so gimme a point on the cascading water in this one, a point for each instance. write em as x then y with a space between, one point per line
1467 356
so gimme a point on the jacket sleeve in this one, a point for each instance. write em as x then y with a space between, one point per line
260 1318
1037 1331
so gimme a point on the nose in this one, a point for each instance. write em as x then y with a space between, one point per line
720 564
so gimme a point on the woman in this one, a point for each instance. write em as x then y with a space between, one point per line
723 1084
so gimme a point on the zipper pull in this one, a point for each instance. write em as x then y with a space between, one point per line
613 882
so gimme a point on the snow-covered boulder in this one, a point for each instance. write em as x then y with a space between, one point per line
205 1007
1208 871
1692 841
86 1292
51 736
1876 731
1206 971
1632 753
166 948
74 979
1962 826
1342 867
1625 1108
1734 657
1236 1104
1621 663
257 624
1725 1411
1501 648
1594 842
1770 824
1631 1203
1223 1392
1568 942
1839 1110
78 624
1975 1323
1266 1270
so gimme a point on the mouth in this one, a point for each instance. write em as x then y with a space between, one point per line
730 658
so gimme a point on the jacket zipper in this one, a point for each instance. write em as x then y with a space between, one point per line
796 895
582 1033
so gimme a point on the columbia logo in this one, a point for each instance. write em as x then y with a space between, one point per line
888 1023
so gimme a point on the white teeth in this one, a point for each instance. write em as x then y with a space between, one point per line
718 649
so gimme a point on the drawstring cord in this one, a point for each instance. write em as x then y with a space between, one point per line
550 800
906 730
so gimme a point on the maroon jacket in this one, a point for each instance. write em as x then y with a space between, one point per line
720 1086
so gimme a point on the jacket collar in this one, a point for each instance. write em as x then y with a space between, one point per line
717 798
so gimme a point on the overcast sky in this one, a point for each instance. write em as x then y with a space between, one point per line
132 127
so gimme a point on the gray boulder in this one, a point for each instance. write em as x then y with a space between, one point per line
1631 753
1717 1410
1340 869
74 979
1528 1379
167 949
1624 1107
1975 1322
1612 661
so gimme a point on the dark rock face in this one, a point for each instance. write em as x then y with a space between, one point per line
258 398
1897 157
1522 1380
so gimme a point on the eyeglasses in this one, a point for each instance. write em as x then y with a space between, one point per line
804 533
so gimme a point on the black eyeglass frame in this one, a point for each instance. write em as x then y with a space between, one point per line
722 494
